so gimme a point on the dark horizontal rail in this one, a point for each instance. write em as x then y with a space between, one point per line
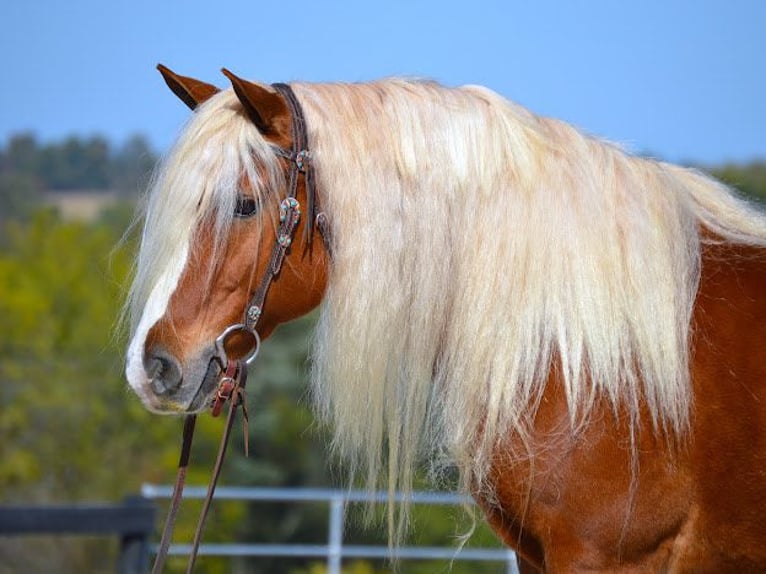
130 518
133 521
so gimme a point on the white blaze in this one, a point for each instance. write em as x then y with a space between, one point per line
154 309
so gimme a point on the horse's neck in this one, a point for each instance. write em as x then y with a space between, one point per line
606 480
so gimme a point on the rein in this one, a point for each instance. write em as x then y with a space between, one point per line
231 385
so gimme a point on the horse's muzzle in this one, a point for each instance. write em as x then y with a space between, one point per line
163 371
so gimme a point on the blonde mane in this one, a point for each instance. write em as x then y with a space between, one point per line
475 248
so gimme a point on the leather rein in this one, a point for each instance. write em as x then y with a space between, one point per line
233 375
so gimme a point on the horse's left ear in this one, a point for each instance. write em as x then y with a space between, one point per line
266 109
190 91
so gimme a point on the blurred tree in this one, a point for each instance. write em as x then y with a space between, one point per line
22 155
69 430
132 164
76 164
20 195
79 164
59 296
750 178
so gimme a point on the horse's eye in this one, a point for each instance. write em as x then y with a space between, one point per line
246 206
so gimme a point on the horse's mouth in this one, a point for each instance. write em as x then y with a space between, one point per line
186 399
203 396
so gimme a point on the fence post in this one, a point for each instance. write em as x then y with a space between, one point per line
134 546
335 541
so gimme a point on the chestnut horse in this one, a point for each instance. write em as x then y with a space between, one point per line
580 332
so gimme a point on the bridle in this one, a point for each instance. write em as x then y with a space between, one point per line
233 376
289 210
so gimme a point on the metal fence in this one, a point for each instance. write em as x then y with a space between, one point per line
132 521
335 550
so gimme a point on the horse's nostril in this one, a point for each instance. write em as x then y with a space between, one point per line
163 370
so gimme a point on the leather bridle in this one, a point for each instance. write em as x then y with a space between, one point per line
234 372
289 210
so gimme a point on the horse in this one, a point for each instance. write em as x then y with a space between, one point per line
576 330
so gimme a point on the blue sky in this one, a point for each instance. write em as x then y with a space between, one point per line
684 80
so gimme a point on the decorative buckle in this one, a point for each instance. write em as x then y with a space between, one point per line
302 158
290 204
253 314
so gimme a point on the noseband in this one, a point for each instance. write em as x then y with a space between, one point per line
234 372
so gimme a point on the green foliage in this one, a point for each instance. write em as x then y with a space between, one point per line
69 430
60 379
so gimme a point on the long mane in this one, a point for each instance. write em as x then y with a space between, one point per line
477 247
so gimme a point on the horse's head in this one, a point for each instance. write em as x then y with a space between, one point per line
208 245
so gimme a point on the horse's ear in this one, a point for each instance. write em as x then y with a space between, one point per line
190 91
266 109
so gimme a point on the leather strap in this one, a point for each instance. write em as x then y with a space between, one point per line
290 210
237 397
236 394
175 501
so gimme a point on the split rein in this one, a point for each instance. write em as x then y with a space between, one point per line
231 385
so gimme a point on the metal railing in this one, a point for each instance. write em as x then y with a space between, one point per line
132 521
335 550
